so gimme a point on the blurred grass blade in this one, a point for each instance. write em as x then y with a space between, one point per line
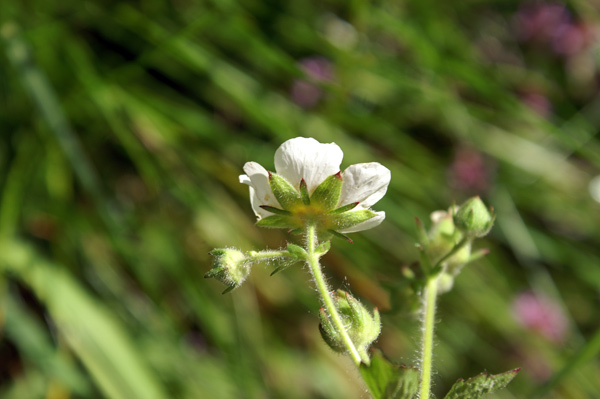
94 335
33 341
588 352
47 102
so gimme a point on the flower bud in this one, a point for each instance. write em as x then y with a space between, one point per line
362 327
473 218
442 237
230 267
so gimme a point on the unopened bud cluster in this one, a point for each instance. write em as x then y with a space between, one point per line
446 247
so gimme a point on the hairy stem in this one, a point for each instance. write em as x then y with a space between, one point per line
260 255
429 299
315 268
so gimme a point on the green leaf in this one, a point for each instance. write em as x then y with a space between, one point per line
286 194
479 386
327 194
276 222
386 380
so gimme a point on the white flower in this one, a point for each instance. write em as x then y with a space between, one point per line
313 190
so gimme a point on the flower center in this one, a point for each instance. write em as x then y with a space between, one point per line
309 213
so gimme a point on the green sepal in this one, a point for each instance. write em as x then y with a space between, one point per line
304 194
284 265
340 235
323 248
286 194
297 251
424 260
479 386
350 219
218 252
421 232
228 289
327 194
276 222
344 208
478 255
386 380
274 210
330 334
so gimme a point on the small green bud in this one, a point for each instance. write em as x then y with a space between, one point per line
362 327
445 283
473 218
230 267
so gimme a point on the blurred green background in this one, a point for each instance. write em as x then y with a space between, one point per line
124 127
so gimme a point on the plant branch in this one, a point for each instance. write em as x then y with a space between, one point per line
324 292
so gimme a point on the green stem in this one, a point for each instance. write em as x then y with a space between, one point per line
317 273
268 254
430 296
454 250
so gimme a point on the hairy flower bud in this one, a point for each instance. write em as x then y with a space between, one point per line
442 237
362 327
473 218
230 266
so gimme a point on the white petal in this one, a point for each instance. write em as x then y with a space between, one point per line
365 183
306 158
369 224
257 178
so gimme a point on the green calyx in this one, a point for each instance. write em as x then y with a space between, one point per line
362 326
300 208
230 267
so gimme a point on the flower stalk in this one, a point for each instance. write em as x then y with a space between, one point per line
324 292
429 302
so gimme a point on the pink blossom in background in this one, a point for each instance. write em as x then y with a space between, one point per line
538 103
573 39
540 314
469 172
305 93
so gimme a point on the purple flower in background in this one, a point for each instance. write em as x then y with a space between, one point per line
540 314
305 92
553 26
